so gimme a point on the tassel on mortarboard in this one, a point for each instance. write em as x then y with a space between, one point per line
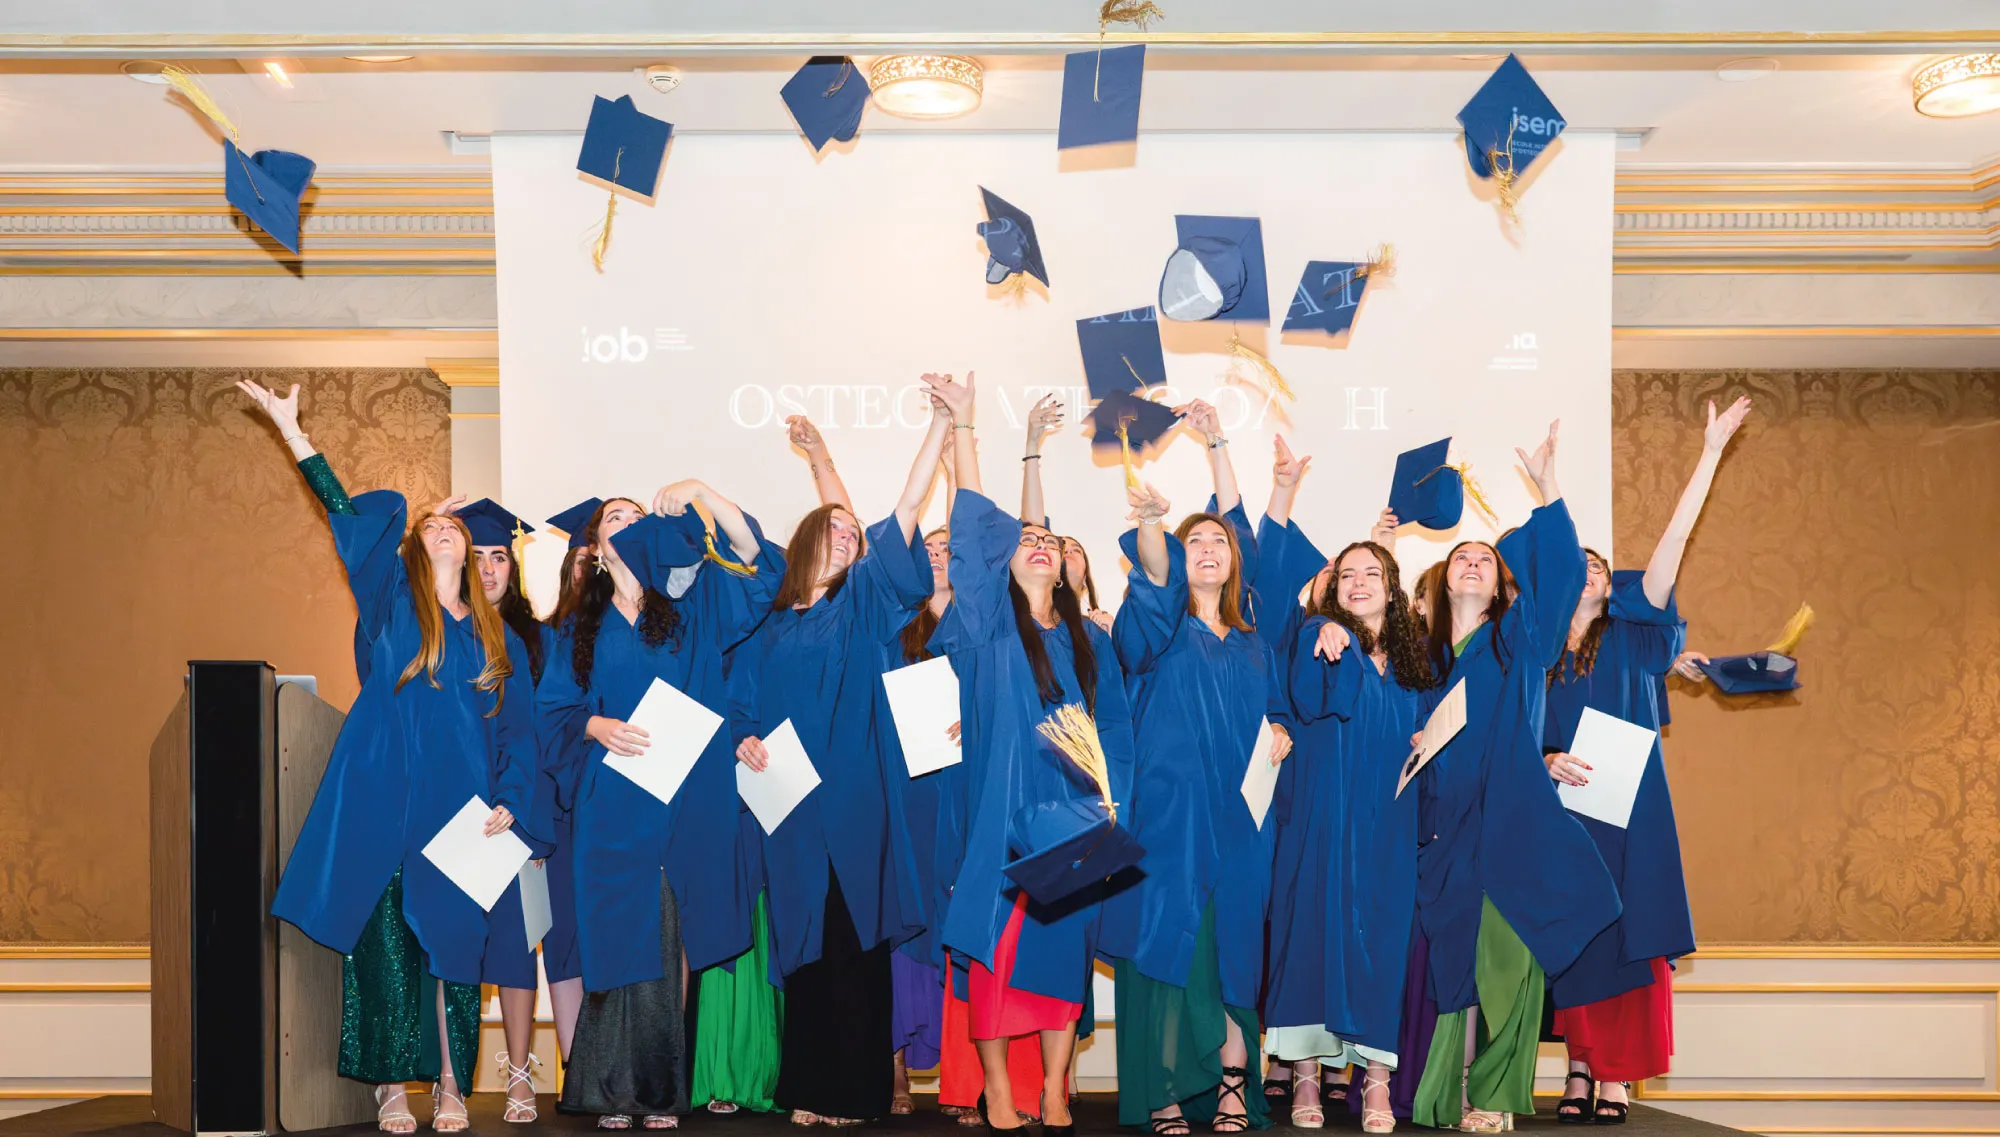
1472 488
1381 263
1272 378
200 99
723 562
1074 733
1500 160
603 241
1125 449
1788 641
1120 12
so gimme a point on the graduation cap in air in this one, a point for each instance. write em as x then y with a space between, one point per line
1427 490
1100 96
1066 845
1011 246
624 146
1216 271
1750 674
1146 421
576 519
661 543
491 524
826 98
1329 294
266 186
1508 124
1121 351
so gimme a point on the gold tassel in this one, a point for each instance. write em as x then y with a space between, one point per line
1125 445
1073 733
1272 378
1788 642
846 69
519 535
1472 488
185 83
723 562
603 241
1115 12
1381 262
1014 289
1501 162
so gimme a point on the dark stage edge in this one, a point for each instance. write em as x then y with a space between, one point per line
132 1116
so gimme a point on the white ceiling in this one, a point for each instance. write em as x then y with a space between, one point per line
1850 111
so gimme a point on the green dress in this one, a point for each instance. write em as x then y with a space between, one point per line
1170 1039
739 1017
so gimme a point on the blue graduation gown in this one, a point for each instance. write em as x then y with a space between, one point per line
1639 644
1196 701
1489 822
934 823
510 959
1344 888
405 763
1016 766
623 837
821 667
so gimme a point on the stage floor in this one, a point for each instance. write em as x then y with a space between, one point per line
1095 1113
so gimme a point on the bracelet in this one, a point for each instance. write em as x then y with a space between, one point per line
1218 442
961 426
291 438
1031 457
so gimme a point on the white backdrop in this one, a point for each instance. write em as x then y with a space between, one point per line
765 282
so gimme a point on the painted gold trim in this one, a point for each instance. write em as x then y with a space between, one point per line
1847 951
1660 266
254 252
73 988
211 210
434 42
252 268
1822 206
467 373
72 1094
74 951
58 334
1822 331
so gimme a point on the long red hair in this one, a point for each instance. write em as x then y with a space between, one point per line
1229 606
486 622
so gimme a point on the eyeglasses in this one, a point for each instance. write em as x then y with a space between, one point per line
1041 541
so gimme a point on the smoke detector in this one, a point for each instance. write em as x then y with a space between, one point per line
663 77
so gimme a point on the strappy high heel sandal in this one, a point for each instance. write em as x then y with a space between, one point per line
1577 1110
519 1112
1232 1121
660 1121
1175 1126
1376 1120
1619 1109
1313 1115
393 1120
440 1114
1276 1087
614 1121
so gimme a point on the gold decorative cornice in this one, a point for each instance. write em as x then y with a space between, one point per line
466 373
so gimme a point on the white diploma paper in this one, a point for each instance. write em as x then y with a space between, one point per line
1444 723
481 866
923 697
1260 781
1616 752
677 730
535 914
787 778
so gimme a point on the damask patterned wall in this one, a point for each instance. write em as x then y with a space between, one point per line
1865 807
152 519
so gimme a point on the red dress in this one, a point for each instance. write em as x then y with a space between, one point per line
1626 1038
998 1010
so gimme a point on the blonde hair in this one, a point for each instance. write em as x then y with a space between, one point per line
486 622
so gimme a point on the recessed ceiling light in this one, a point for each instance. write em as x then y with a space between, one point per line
381 58
1746 70
1959 86
925 86
145 71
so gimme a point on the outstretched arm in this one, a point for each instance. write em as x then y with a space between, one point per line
1045 417
672 501
1286 472
826 480
1149 509
284 414
1541 466
1665 567
924 469
1208 424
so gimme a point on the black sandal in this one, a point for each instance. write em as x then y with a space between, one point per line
1577 1111
1618 1109
1279 1088
1176 1126
1238 1121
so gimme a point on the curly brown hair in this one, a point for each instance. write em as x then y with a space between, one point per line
1580 661
1402 637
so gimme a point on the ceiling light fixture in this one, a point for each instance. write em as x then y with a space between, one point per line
926 86
1746 70
1959 86
276 71
381 58
145 71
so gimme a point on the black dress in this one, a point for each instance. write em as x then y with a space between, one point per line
836 1058
630 1051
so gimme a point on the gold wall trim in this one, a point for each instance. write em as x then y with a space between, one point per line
1820 331
210 210
1846 951
467 373
72 1094
1836 1129
74 951
73 988
1653 265
41 334
435 42
250 268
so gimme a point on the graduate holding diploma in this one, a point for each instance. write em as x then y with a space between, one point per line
1508 884
443 716
1615 1005
652 895
843 882
1189 937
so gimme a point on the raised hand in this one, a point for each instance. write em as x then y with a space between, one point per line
803 434
1202 417
1333 639
1148 507
673 500
282 411
1720 427
1285 469
1046 416
1384 532
956 397
449 505
1541 465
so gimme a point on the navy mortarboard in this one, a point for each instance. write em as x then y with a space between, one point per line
490 524
266 187
1329 294
1063 846
1508 124
1142 420
826 98
1750 674
576 519
1011 246
1100 96
624 148
1427 491
1121 351
1216 271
